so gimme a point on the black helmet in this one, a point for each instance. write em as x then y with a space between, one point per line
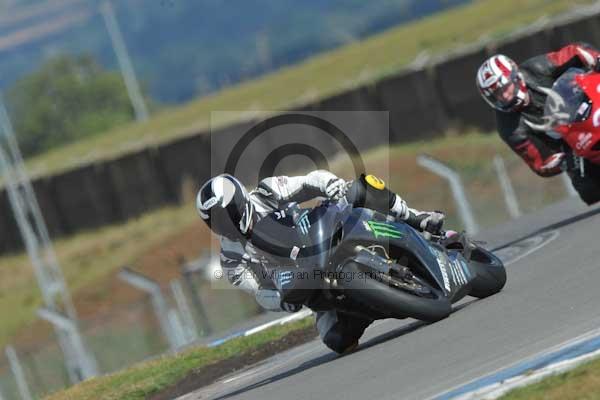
224 204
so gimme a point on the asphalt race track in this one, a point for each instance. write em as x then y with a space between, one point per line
552 295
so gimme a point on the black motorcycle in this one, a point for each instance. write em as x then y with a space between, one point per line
359 261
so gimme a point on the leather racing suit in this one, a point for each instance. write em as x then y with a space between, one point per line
515 128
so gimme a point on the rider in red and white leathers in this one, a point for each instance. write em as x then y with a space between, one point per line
223 200
514 92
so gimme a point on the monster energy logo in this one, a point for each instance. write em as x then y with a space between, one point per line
304 223
381 229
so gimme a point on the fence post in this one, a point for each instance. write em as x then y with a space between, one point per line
458 191
510 198
17 371
186 272
158 302
176 327
129 77
84 365
187 320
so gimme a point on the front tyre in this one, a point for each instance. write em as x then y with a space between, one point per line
391 301
588 189
587 186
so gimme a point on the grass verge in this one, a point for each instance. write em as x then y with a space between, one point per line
317 77
149 378
581 383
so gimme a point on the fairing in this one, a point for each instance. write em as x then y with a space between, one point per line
314 239
575 113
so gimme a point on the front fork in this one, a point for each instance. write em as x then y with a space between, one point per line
580 165
575 163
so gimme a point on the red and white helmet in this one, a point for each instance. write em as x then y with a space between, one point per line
501 84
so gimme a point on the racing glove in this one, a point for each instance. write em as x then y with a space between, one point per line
336 189
596 66
431 222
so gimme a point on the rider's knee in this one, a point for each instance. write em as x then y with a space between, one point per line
340 332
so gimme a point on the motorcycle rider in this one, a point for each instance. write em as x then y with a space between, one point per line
514 92
231 211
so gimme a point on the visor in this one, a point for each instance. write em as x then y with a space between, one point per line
225 222
508 95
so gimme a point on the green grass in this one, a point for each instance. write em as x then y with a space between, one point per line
323 75
150 377
581 383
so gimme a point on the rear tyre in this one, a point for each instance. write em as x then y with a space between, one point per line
390 301
490 273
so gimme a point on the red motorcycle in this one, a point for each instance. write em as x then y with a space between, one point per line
572 114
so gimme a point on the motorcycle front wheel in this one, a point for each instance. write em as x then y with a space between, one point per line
391 301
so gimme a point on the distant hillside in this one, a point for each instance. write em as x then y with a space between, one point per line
184 48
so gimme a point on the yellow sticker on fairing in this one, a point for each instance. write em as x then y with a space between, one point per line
375 182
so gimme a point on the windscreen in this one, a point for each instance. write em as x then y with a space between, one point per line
567 102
